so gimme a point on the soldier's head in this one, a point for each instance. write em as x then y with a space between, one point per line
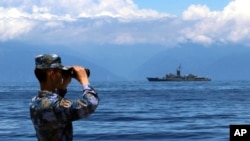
48 66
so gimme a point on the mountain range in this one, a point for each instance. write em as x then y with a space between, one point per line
217 62
131 62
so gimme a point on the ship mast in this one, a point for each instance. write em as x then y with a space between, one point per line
178 71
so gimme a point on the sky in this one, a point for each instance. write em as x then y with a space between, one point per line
126 22
176 8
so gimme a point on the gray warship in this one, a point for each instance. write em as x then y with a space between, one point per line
178 77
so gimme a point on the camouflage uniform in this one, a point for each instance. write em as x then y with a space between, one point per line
51 113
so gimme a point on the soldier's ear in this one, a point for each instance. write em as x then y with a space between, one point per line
50 72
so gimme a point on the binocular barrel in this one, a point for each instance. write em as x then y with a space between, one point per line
88 72
72 73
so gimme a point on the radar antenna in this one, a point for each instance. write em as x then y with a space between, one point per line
178 71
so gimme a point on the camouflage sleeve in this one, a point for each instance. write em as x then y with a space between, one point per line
80 108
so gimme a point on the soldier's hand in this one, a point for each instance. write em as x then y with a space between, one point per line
81 75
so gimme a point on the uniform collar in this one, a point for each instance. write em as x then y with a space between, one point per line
43 93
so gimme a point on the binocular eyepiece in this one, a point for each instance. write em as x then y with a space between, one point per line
72 73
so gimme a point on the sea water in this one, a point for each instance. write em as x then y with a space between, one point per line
141 110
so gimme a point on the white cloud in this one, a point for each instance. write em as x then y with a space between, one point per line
121 9
36 9
195 12
13 23
230 25
124 38
41 15
121 22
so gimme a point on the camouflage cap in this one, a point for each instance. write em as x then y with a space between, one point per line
48 61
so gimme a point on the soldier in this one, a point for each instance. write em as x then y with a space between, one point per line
51 113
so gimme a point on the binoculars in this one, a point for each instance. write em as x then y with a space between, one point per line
72 73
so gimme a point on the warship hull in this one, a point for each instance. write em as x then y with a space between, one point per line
177 79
